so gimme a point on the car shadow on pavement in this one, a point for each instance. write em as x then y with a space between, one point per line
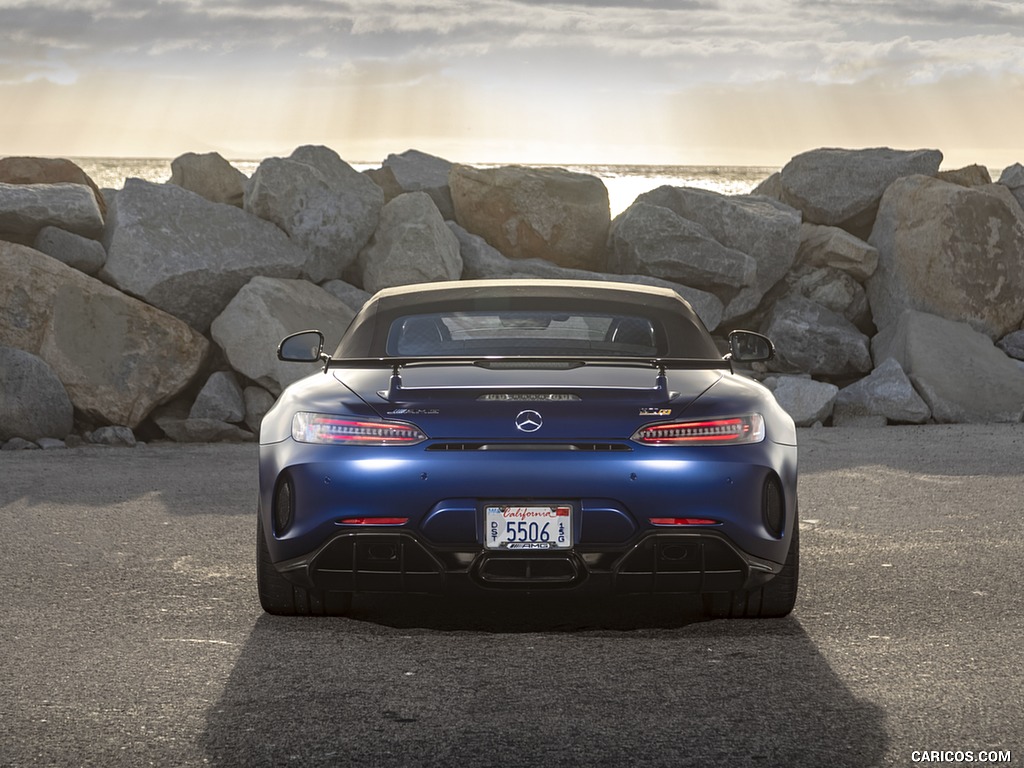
612 682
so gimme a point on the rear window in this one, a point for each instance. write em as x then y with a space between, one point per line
524 332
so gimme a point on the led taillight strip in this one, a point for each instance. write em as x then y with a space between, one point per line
720 430
732 430
682 521
346 431
373 521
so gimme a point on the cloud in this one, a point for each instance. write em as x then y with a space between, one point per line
487 71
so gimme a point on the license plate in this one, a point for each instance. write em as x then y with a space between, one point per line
528 526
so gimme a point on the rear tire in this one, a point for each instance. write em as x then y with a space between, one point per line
282 598
771 601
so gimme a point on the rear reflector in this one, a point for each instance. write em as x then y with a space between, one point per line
682 521
373 521
731 431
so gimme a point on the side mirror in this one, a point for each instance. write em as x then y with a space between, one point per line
750 347
303 347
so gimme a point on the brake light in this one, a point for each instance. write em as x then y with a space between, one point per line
731 431
682 521
373 521
334 430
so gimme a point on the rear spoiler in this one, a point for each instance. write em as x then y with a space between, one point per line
396 392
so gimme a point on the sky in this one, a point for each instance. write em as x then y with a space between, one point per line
710 82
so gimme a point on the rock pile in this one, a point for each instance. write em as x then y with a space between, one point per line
894 292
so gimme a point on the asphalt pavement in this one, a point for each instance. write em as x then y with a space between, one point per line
131 635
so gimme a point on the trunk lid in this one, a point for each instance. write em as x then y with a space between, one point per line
528 404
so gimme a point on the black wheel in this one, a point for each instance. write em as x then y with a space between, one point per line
282 598
771 601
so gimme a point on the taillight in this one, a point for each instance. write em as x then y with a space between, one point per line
735 430
335 430
682 521
373 521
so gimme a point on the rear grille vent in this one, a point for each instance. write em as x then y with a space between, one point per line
590 447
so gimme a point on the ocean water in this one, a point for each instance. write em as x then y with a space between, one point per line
624 182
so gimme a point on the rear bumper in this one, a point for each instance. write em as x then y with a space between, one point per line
654 563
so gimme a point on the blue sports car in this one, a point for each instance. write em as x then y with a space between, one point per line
527 435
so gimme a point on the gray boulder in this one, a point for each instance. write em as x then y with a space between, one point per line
74 250
1012 178
535 213
209 175
186 255
117 357
958 371
833 289
113 436
412 245
348 293
257 402
951 251
653 240
762 228
807 401
482 262
1013 344
178 426
326 206
416 171
220 399
811 339
264 312
842 187
27 208
969 176
822 246
19 444
886 392
33 402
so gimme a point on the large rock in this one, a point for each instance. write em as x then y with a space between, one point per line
885 392
211 176
1013 344
653 240
220 399
482 262
969 176
411 245
33 402
266 310
811 339
541 213
842 187
808 402
348 293
186 255
27 208
951 251
117 357
958 371
1012 178
822 246
74 250
835 290
47 170
416 171
324 204
762 228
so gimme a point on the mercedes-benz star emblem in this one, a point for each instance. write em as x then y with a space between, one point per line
528 421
